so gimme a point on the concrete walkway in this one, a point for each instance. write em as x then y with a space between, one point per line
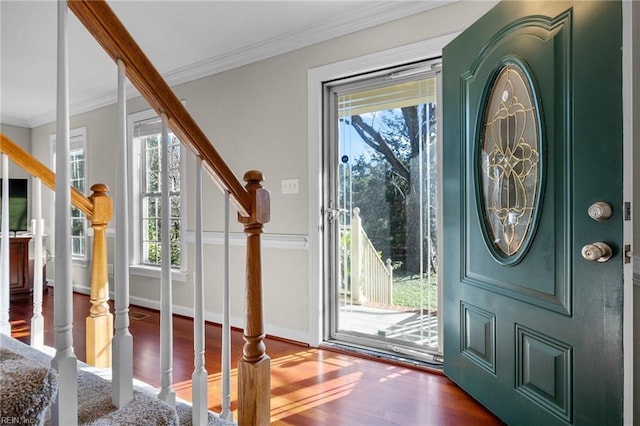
390 323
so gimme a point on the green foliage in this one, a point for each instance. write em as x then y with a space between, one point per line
154 247
412 292
385 183
152 210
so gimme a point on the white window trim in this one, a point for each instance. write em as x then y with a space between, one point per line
410 53
136 267
77 133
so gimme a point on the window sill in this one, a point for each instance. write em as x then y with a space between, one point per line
156 272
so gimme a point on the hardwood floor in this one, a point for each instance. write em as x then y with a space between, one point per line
309 386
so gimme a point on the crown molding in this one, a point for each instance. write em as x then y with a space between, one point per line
14 121
371 16
86 105
367 17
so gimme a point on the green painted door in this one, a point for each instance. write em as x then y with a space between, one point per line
532 139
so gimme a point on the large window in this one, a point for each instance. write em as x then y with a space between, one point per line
146 134
77 179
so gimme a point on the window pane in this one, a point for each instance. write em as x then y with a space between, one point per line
150 138
175 206
152 164
77 180
76 246
151 206
384 247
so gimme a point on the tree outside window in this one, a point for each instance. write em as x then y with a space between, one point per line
151 198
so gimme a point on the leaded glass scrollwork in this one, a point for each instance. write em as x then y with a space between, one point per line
510 160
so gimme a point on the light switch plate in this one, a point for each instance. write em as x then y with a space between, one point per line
290 186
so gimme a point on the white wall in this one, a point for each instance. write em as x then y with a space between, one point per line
22 137
256 117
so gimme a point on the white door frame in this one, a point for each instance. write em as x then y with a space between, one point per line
414 52
630 93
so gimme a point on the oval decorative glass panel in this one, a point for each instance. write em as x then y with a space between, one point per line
510 161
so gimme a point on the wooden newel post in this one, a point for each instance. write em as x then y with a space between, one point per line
254 369
100 321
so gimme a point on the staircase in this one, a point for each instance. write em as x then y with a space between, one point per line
109 341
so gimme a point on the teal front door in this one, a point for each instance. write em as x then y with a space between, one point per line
532 164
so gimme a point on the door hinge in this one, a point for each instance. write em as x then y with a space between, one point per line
627 253
627 210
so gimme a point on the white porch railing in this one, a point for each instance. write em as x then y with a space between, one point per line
371 278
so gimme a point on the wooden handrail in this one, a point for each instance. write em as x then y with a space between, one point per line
35 168
110 33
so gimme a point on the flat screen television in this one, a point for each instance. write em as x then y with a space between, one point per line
18 204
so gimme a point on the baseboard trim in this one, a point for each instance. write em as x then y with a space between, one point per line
213 317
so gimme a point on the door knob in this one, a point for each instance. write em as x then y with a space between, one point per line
600 252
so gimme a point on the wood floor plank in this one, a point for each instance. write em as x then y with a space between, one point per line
309 386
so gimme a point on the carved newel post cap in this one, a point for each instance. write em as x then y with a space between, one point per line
99 188
253 176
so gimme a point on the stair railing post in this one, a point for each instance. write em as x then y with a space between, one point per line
226 412
199 397
254 369
99 323
37 320
122 343
167 393
64 410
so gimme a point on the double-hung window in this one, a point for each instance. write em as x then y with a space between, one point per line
146 138
77 179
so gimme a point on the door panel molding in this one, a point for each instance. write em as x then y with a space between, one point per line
544 371
478 336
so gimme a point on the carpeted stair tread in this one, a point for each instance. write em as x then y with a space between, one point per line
94 398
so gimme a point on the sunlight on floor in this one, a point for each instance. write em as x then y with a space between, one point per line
301 381
19 329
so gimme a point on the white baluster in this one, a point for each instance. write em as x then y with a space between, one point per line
65 406
226 325
5 325
389 287
199 376
167 393
356 256
122 343
37 321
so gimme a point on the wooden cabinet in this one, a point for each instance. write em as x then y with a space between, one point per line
19 265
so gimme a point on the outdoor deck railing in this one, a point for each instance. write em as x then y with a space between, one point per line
371 277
